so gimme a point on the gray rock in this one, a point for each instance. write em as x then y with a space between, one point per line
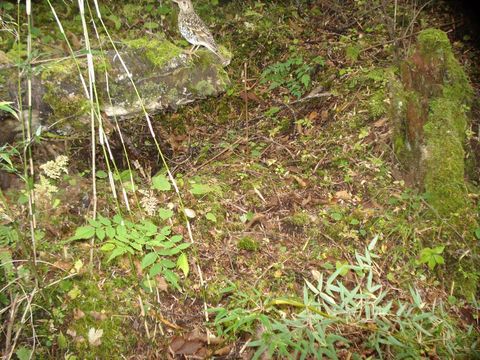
164 77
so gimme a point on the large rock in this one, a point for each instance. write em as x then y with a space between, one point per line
164 76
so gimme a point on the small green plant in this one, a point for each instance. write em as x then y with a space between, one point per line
293 74
331 310
248 243
432 257
161 251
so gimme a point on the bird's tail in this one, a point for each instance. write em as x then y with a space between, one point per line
225 61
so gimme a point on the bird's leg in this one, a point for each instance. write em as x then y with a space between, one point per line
192 51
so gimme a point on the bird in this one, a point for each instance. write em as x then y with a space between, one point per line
194 30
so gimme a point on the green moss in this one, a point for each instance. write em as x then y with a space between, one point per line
434 41
65 106
444 177
248 243
204 87
99 306
299 219
158 52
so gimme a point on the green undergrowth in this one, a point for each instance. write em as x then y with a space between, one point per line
330 310
281 202
104 306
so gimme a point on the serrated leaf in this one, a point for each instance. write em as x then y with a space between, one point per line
100 233
110 232
108 247
119 251
165 214
161 182
200 189
101 174
149 259
155 270
211 217
172 278
83 233
182 264
23 353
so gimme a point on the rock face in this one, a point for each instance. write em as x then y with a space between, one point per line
164 77
430 106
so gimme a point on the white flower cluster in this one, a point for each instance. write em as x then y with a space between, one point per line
54 168
149 203
44 190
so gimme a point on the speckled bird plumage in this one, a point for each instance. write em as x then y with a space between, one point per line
194 30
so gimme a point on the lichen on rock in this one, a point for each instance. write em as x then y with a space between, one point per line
160 75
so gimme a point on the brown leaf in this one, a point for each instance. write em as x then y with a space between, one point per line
182 346
257 218
250 96
64 265
224 350
161 283
343 195
78 314
138 267
300 181
380 123
313 116
99 316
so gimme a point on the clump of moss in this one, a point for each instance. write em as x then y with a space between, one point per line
248 243
299 219
444 177
158 52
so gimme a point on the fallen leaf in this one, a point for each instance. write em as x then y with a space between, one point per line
78 314
313 115
190 213
224 350
161 283
94 336
380 123
63 265
316 275
300 181
99 316
182 346
343 195
257 219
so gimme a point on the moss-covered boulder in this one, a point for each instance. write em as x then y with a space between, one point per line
150 73
430 109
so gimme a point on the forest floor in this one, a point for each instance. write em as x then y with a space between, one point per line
286 178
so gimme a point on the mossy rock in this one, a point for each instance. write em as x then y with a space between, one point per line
160 76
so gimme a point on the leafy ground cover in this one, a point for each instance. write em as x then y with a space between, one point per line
307 241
